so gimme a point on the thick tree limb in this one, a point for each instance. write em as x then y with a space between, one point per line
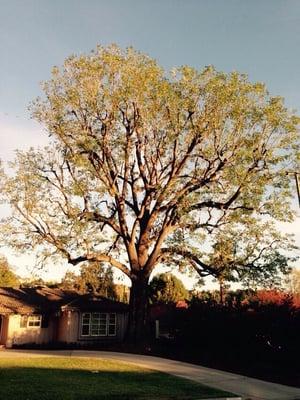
99 257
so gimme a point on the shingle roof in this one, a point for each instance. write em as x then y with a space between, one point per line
46 300
90 302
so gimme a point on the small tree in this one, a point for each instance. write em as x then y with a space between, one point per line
7 277
93 278
293 281
167 288
145 165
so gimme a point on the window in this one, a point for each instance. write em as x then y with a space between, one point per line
98 324
85 324
31 321
34 321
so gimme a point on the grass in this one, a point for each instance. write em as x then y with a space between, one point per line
90 379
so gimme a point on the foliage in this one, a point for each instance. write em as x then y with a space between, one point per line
7 277
148 167
270 297
122 292
255 255
294 281
167 288
35 281
93 278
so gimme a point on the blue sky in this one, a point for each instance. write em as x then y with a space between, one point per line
257 37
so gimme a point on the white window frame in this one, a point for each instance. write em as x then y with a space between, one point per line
33 321
36 320
82 324
108 324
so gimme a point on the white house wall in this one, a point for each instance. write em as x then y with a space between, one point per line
18 336
69 329
64 329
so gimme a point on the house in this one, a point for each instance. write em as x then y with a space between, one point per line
43 315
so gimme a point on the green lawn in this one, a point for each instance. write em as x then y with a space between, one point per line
91 379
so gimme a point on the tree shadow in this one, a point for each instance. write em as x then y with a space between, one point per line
36 383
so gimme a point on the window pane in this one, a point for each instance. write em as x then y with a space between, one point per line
85 324
86 318
95 319
102 330
85 330
102 324
95 330
95 324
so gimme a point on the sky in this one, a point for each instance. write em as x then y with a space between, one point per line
259 37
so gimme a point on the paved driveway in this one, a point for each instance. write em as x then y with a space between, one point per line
247 388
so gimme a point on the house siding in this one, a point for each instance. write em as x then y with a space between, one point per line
70 325
122 321
18 336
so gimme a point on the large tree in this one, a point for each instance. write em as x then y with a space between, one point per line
144 165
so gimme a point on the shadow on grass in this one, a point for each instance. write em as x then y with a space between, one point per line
35 383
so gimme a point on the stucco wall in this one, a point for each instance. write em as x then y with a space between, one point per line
17 335
65 328
68 326
69 329
122 321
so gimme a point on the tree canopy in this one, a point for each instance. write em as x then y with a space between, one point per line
148 167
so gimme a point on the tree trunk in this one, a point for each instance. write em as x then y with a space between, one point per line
221 291
138 310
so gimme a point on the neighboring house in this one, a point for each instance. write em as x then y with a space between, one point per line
43 316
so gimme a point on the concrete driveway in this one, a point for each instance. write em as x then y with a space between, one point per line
247 388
